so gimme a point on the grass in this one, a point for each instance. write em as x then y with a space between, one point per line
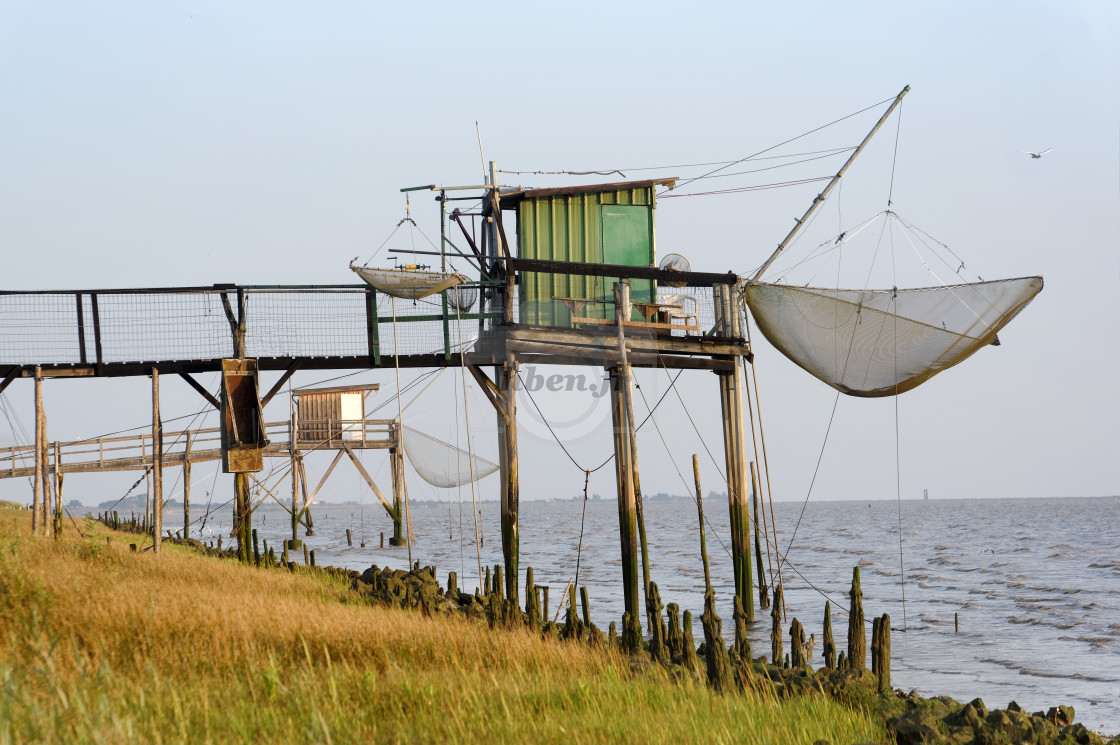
98 644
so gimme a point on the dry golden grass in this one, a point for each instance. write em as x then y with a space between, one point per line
102 645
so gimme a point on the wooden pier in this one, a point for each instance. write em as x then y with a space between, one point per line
582 291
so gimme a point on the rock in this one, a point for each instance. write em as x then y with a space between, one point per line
1062 716
917 727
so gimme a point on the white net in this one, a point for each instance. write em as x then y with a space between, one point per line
441 464
883 342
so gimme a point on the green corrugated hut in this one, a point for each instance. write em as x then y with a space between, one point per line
595 224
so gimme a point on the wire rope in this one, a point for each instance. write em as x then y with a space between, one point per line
792 139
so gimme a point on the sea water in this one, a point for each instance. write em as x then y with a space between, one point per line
1034 583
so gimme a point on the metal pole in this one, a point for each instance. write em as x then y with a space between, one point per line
824 194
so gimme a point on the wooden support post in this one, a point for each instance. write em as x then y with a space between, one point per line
731 403
39 488
703 529
243 516
763 590
294 452
187 488
396 470
57 522
829 642
621 408
627 509
157 466
507 460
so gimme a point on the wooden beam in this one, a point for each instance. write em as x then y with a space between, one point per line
315 491
634 342
201 391
543 353
369 480
296 364
692 279
12 375
490 390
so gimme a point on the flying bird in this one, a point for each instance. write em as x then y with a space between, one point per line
1038 154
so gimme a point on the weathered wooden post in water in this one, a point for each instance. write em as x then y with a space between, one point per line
507 462
731 403
620 384
857 636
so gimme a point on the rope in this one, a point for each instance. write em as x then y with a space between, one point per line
582 520
673 460
673 386
757 187
470 451
561 444
898 472
894 159
766 465
400 423
754 444
792 139
607 171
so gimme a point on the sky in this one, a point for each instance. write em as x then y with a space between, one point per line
189 143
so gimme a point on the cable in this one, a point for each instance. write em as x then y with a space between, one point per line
894 161
792 139
759 187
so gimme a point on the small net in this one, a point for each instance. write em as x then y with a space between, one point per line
873 343
441 464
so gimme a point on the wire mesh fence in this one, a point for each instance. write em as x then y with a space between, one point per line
196 324
193 324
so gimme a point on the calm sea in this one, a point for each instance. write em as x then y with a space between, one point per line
1035 582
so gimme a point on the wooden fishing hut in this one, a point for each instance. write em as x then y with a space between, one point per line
582 287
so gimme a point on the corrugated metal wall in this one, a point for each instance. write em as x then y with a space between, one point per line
569 228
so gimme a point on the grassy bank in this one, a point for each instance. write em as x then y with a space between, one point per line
103 645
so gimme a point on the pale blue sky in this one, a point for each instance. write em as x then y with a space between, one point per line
188 143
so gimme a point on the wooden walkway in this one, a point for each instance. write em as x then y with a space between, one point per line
133 452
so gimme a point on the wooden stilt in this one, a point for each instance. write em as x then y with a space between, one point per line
731 401
396 470
39 488
187 488
294 452
627 509
57 523
621 415
157 466
763 590
510 494
243 526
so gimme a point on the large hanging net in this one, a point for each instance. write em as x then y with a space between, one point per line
874 343
441 464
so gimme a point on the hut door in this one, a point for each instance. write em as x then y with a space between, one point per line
352 413
627 239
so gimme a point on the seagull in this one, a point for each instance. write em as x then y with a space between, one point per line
1038 155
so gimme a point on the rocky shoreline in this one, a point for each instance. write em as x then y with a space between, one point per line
910 718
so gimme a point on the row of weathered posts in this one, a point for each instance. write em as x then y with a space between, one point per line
670 640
